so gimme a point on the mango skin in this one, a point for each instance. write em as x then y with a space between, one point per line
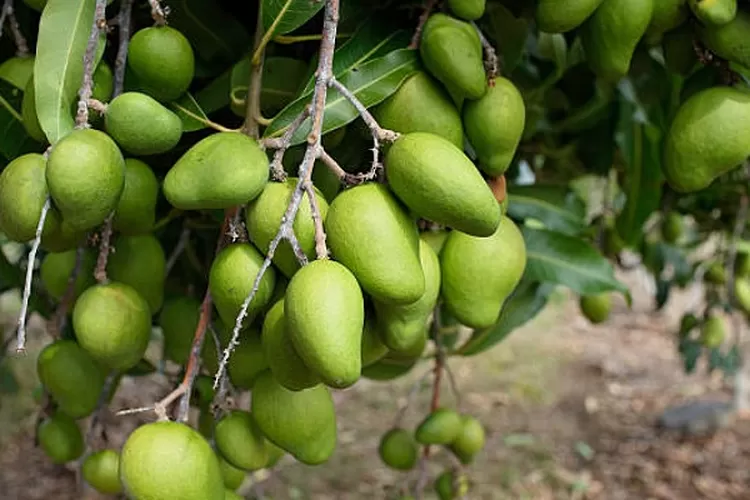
221 171
60 438
85 176
248 360
373 348
231 279
178 320
714 12
56 269
468 10
139 261
17 71
23 192
101 470
470 440
667 16
240 441
452 52
370 233
263 218
285 363
167 459
421 105
398 450
478 274
71 376
403 325
442 426
561 16
324 311
125 121
302 423
707 138
113 323
494 125
438 182
612 33
596 307
730 41
162 61
136 209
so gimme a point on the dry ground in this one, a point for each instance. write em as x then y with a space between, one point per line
569 407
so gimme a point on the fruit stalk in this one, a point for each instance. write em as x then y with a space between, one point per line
321 249
100 273
98 27
491 62
126 9
158 13
252 111
420 26
283 143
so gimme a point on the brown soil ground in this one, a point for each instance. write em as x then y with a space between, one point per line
570 410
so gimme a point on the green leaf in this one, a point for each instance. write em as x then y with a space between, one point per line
691 351
58 69
215 95
371 84
192 116
555 206
284 16
524 304
14 141
557 258
508 32
282 78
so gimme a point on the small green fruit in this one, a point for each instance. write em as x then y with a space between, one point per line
398 450
470 440
451 485
162 61
60 438
596 308
126 119
714 12
139 261
23 192
672 227
667 15
136 210
178 320
102 471
233 477
17 71
742 293
561 16
730 41
240 441
57 268
713 332
248 360
716 274
469 10
442 426
166 460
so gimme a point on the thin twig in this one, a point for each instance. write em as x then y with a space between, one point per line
8 14
334 166
255 84
191 370
7 10
453 384
491 63
100 273
178 249
124 25
98 27
158 13
57 324
21 335
283 143
415 39
321 249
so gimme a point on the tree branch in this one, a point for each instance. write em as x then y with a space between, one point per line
283 143
8 14
57 323
178 249
98 27
100 273
415 39
491 63
126 10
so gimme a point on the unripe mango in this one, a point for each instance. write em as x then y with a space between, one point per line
57 268
136 210
58 235
248 360
85 176
398 450
60 438
371 233
71 376
221 171
469 441
742 293
263 219
178 320
231 278
139 261
286 365
101 470
403 325
561 16
113 323
442 426
707 138
478 274
168 459
596 307
730 41
373 348
713 331
612 33
667 15
302 423
240 441
494 125
714 12
162 61
17 70
23 191
438 182
452 52
141 125
435 239
421 104
324 311
469 10
233 477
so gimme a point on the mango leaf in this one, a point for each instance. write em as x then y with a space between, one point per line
371 83
284 16
192 116
557 258
215 95
14 141
64 30
282 78
556 207
527 300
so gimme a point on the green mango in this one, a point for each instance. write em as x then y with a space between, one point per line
742 293
679 53
672 227
371 233
58 235
398 450
470 440
494 125
716 274
233 477
421 105
438 182
17 70
324 311
452 485
286 364
136 210
240 441
442 426
57 268
168 75
264 216
468 10
29 117
700 146
612 33
667 16
60 438
302 423
403 325
85 176
373 348
103 83
71 376
713 332
248 360
742 264
231 278
714 12
23 192
101 470
730 41
436 239
113 323
478 274
596 307
221 171
139 261
166 459
178 320
387 369
274 454
452 52
125 119
561 16
326 181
